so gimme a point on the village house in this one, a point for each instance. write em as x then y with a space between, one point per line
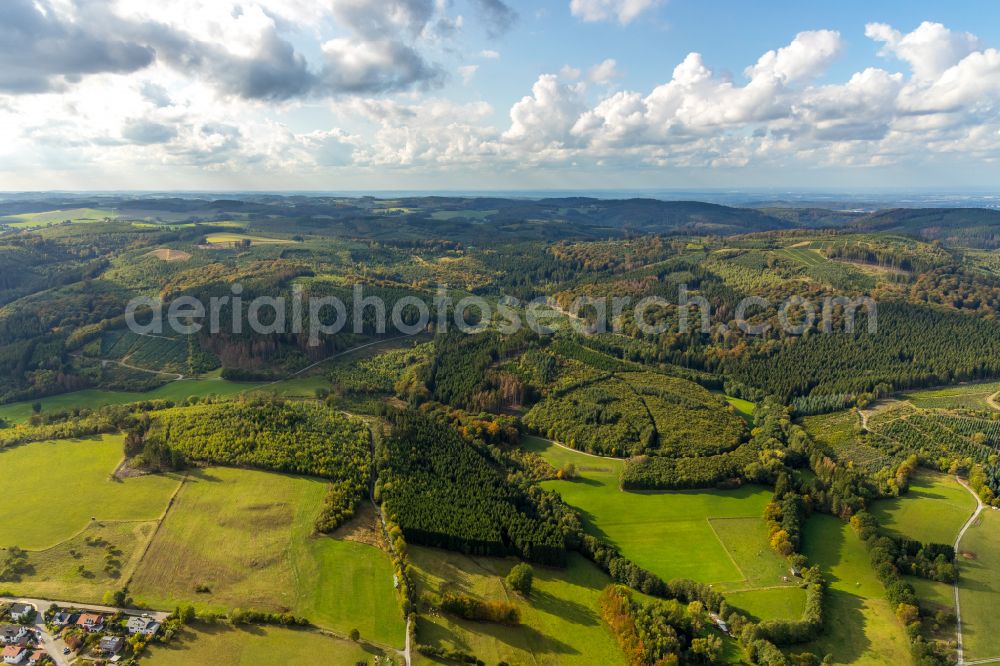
36 657
144 625
62 618
19 612
91 622
12 633
14 654
112 644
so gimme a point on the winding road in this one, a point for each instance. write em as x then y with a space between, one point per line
958 603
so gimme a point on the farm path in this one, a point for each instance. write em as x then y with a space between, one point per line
958 603
582 453
992 401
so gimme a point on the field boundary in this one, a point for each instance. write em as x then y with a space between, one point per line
159 524
708 519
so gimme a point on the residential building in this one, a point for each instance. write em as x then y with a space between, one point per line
144 625
91 622
112 644
14 654
20 611
12 633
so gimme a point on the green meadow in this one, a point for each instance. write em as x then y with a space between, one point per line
252 646
743 407
245 539
226 238
78 568
54 490
859 626
18 412
964 396
933 510
710 536
560 621
51 217
979 589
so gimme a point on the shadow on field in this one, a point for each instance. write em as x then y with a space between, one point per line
573 611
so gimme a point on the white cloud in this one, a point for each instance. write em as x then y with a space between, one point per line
544 118
605 72
468 72
623 11
489 54
237 97
929 50
806 57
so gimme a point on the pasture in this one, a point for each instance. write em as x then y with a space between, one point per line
48 218
710 536
802 255
54 490
250 646
980 587
466 213
964 396
18 412
225 238
560 621
245 538
100 558
860 628
743 407
933 510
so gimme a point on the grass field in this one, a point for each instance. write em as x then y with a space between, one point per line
51 217
247 536
743 407
859 626
934 509
56 572
979 590
18 412
252 646
710 536
802 255
227 238
52 491
471 214
967 396
560 621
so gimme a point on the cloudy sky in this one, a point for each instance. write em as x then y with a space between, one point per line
497 94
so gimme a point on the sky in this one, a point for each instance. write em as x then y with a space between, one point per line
439 95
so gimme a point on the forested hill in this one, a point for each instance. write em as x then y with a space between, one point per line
970 227
457 218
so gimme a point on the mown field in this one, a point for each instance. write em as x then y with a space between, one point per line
247 537
227 238
18 412
560 621
716 537
979 589
83 568
54 490
253 646
859 626
963 396
51 217
933 510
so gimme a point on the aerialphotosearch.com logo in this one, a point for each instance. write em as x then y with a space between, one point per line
325 315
